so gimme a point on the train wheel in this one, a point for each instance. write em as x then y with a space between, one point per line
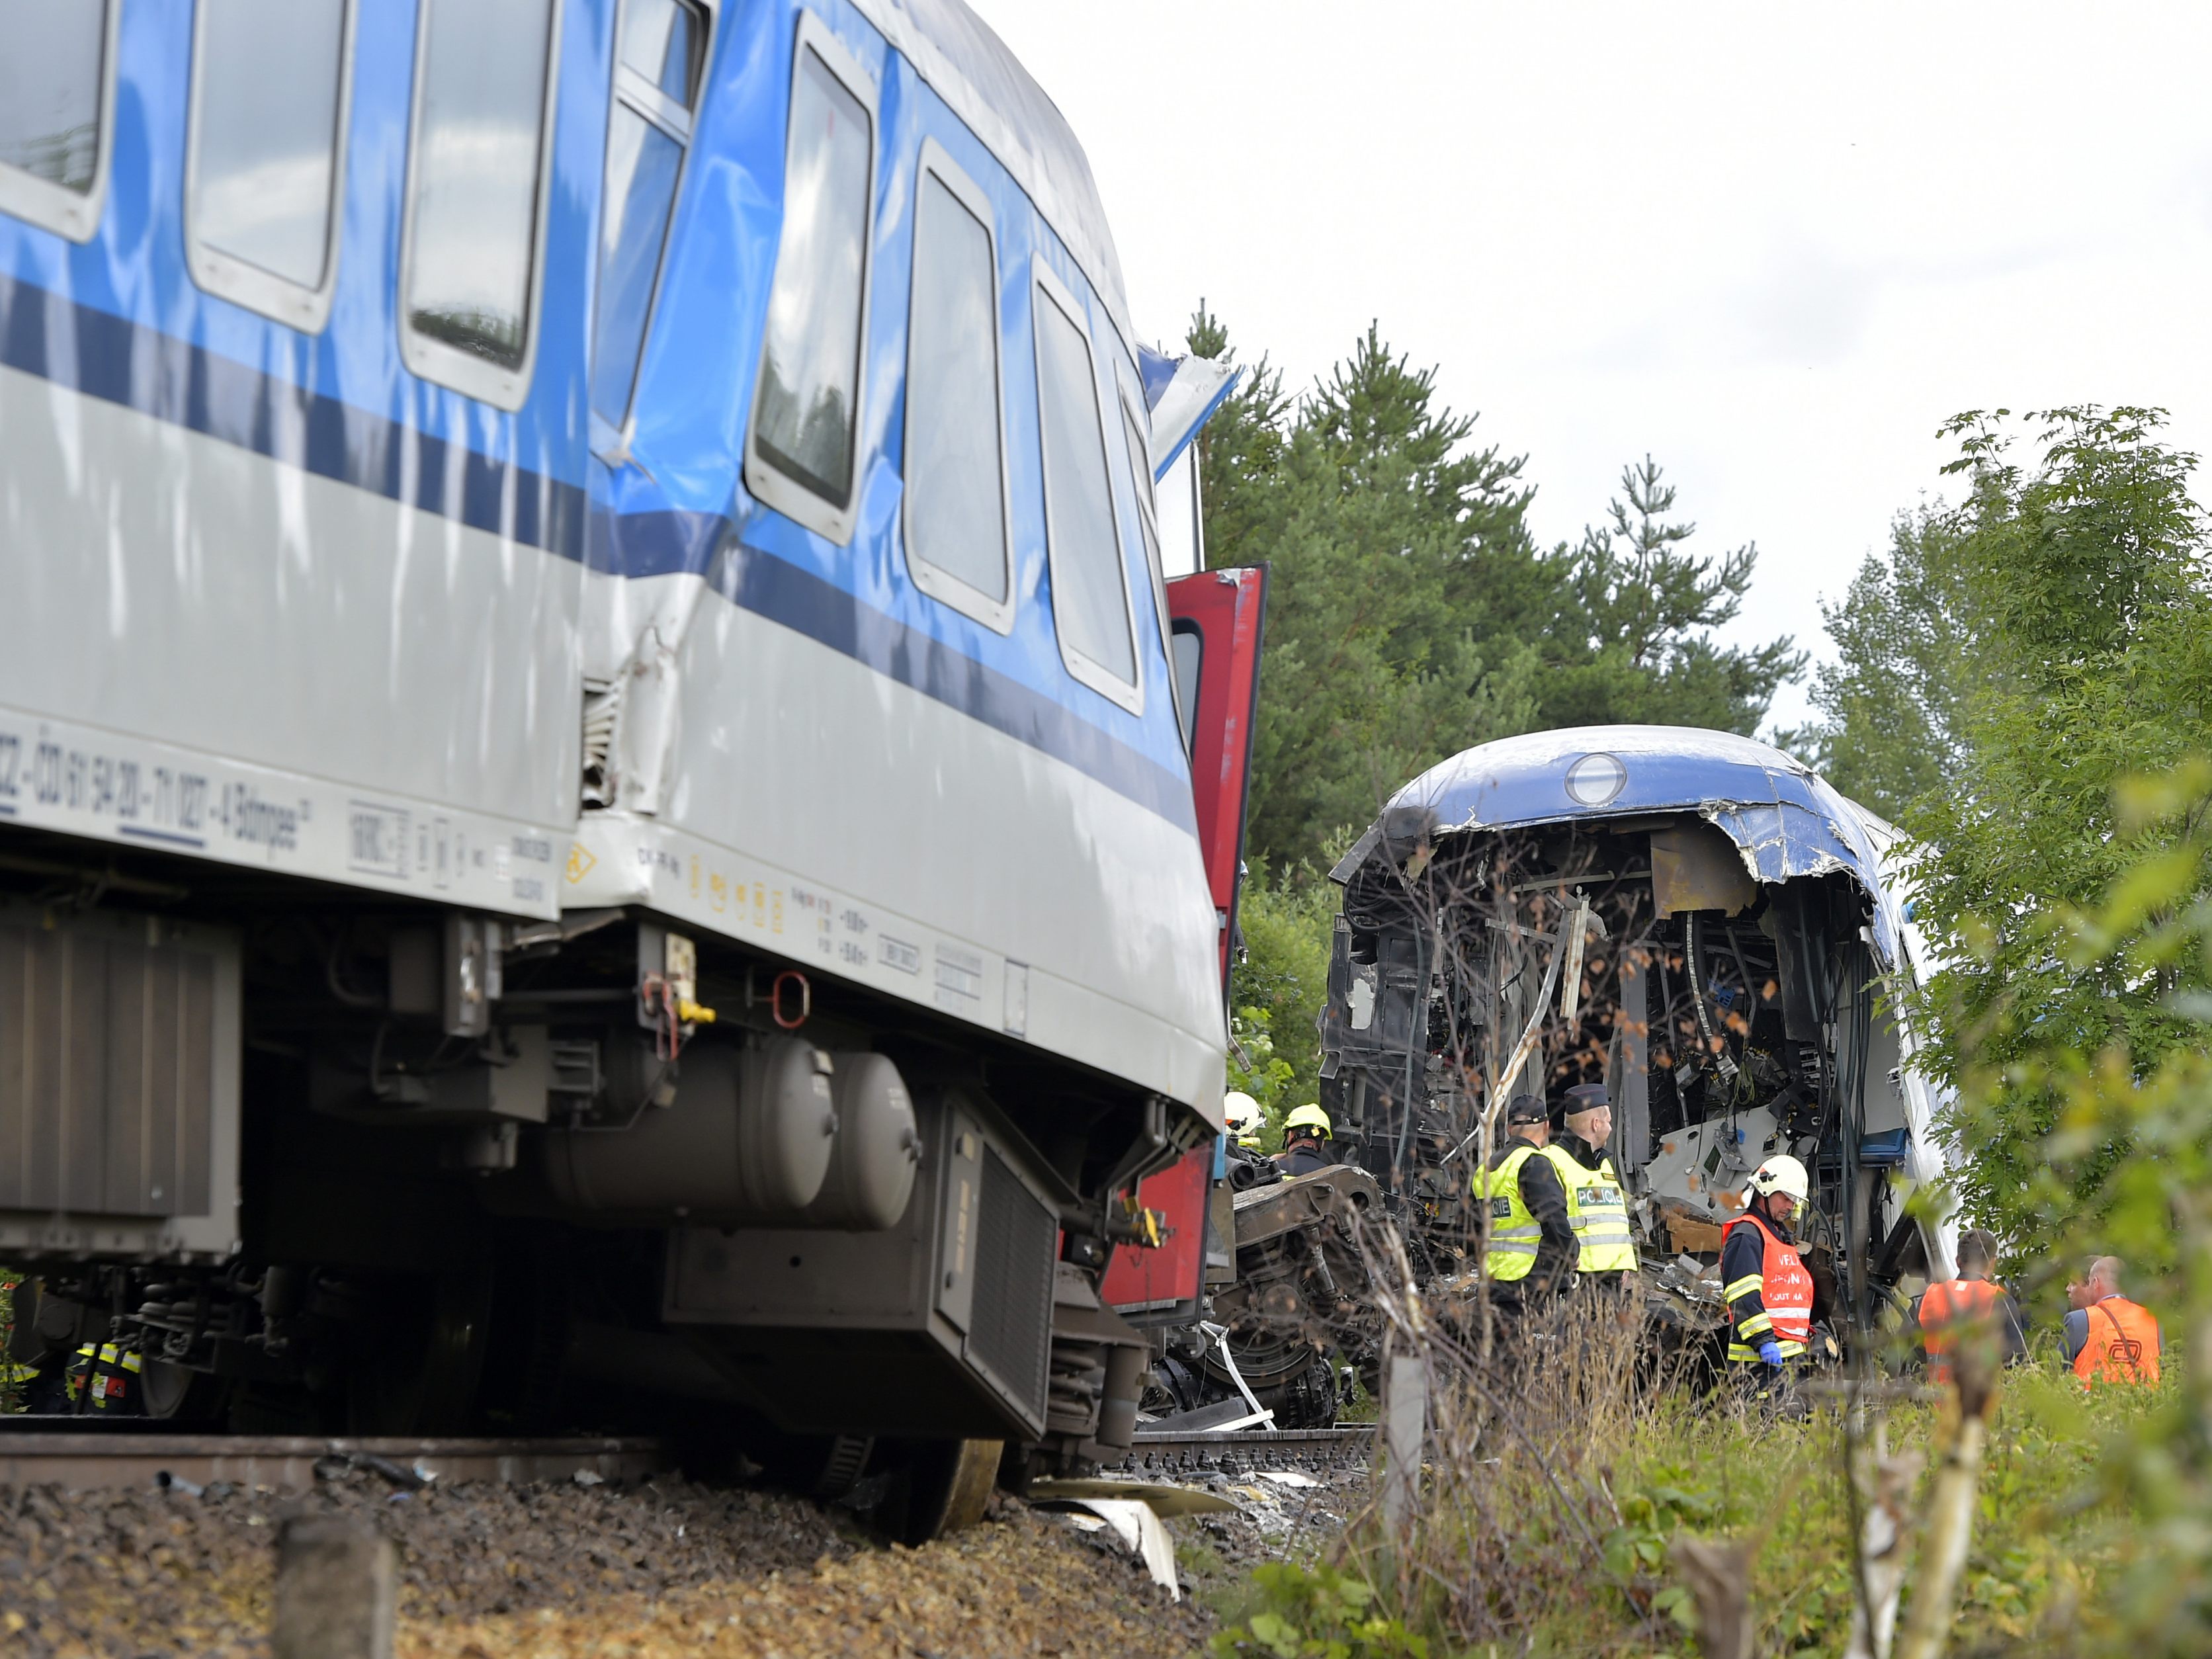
946 1485
177 1395
418 1360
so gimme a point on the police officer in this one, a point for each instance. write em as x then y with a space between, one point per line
1764 1279
1597 1205
1305 1132
1533 1250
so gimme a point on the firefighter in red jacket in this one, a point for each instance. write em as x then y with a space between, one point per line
1768 1289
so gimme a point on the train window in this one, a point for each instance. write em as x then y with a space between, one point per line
1140 479
266 165
806 411
663 42
1187 650
663 46
56 111
476 168
1090 581
957 544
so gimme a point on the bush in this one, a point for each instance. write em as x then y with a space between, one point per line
1560 1473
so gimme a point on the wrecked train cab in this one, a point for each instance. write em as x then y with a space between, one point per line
1690 917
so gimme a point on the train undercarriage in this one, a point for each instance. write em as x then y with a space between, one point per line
329 1166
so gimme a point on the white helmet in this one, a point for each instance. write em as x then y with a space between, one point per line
1239 1111
1781 1174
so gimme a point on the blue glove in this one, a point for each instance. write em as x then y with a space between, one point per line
1771 1352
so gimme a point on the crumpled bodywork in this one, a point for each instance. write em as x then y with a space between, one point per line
1561 909
1783 818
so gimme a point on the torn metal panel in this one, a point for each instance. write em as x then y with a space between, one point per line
1784 819
1747 950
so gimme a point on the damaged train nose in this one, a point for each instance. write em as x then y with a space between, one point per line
1691 918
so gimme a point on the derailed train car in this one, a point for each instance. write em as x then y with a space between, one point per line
596 802
1691 918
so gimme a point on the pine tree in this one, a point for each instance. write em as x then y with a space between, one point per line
1635 643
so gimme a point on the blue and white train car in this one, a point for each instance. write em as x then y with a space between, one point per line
588 700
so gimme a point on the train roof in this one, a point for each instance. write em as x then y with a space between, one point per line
1785 818
984 84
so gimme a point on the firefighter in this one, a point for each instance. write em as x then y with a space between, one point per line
2107 1334
1241 1119
1305 1132
104 1378
1533 1249
1764 1279
1971 1308
1597 1205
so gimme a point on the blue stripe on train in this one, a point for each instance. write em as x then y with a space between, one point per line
120 362
141 369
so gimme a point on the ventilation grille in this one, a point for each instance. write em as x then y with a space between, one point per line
1010 1329
106 1073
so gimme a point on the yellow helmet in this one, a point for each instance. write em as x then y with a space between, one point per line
1309 1117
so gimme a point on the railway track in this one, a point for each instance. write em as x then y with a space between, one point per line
89 1461
1246 1449
82 1460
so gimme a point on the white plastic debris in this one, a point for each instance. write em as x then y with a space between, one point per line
1286 1477
1136 1525
590 1478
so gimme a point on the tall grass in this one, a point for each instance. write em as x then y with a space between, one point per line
1558 1473
11 1390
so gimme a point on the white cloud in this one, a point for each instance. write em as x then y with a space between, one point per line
1773 246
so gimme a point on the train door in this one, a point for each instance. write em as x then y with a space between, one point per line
1216 618
1216 639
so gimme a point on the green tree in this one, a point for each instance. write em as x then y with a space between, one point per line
1278 988
1411 614
1634 640
1892 702
2084 575
1372 519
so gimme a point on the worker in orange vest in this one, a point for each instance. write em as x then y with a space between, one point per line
2107 1334
1971 1308
1764 1282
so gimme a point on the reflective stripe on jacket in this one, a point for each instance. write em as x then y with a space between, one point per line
1515 1232
1952 1308
2123 1345
1776 1303
1598 1209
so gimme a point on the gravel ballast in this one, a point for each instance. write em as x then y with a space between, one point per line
488 1572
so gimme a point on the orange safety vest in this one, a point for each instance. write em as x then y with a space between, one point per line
1785 1287
2123 1345
1949 1307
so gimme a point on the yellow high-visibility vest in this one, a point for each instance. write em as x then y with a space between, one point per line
1598 1209
1515 1232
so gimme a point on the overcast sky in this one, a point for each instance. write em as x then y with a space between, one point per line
1773 246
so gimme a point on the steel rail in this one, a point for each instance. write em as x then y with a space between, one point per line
89 1461
1241 1448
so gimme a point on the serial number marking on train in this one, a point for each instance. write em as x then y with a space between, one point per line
154 803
